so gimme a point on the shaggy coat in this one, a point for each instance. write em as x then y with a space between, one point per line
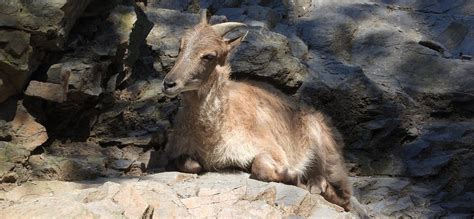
229 124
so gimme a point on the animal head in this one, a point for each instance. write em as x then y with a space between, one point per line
201 49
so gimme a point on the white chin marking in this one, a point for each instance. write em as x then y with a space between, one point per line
171 94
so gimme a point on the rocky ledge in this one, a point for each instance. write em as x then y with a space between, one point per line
80 98
165 195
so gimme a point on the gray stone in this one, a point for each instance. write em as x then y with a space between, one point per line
270 50
47 91
53 167
457 7
49 21
121 164
298 8
26 132
85 75
124 34
394 197
27 29
157 196
179 5
232 14
17 61
263 14
10 156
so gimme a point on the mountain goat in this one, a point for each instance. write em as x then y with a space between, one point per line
247 125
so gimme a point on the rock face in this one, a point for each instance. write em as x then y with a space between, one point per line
165 195
394 75
391 75
22 135
266 56
28 29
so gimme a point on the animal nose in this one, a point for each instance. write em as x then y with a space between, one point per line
168 84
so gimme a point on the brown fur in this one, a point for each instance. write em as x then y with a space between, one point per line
248 125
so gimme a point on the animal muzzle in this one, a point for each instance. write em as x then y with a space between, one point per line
171 88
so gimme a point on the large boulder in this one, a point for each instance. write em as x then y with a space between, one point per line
266 56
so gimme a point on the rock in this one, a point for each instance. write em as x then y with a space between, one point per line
26 132
263 14
389 75
27 30
17 61
263 46
180 5
55 91
136 121
10 156
394 197
215 5
47 91
298 8
69 161
66 168
166 195
115 40
121 164
5 131
125 31
50 22
20 134
430 166
395 76
427 6
299 49
435 139
233 14
132 152
152 159
139 140
85 78
134 205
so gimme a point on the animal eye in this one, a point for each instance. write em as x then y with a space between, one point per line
209 56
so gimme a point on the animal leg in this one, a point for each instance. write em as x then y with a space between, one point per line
187 164
267 169
339 190
333 185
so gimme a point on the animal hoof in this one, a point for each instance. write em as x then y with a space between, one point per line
314 190
188 165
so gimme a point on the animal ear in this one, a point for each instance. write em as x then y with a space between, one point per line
234 42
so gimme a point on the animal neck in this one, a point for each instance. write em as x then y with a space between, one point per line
209 101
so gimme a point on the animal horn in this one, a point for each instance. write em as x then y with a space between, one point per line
224 28
204 16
